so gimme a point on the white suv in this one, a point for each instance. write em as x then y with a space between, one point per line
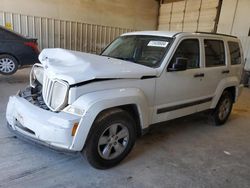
99 104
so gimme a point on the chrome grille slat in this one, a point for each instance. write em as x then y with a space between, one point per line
47 88
47 92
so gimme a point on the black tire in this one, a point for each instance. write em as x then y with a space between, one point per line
13 64
219 118
102 124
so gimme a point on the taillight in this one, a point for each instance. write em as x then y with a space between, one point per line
33 45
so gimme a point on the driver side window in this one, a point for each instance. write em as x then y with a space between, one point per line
190 50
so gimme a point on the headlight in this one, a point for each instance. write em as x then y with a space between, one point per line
59 95
74 110
38 73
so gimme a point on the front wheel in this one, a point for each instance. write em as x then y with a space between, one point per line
223 109
111 139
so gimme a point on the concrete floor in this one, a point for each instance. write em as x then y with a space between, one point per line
188 152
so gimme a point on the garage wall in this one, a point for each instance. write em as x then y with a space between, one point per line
234 20
189 15
85 25
55 33
138 15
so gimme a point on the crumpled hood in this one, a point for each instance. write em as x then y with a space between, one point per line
75 67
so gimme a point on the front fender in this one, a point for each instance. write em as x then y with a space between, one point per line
95 102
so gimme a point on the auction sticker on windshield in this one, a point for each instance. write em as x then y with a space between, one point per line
157 43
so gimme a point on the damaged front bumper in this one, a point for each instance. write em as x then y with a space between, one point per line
47 127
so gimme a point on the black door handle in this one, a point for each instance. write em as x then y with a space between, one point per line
225 71
199 75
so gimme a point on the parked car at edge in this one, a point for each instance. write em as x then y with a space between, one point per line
99 104
16 51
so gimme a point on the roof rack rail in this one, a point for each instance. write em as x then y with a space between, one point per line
212 33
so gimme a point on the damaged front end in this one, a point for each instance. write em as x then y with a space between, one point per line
33 92
34 96
46 91
29 116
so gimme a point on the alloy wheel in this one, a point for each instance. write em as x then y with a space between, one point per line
7 65
113 141
224 109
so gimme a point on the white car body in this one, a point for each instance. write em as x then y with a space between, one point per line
96 83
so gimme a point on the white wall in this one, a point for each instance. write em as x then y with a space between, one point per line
188 15
234 20
234 17
83 25
133 14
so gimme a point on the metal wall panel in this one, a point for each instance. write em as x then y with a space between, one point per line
192 12
177 16
164 16
188 15
245 42
234 21
207 15
55 33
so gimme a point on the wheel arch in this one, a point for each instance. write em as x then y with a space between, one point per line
6 53
230 84
233 89
133 111
132 101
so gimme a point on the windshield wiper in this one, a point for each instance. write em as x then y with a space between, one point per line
105 55
122 58
125 59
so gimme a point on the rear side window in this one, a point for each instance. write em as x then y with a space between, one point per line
214 53
234 49
189 49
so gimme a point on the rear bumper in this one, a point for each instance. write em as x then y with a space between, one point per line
46 127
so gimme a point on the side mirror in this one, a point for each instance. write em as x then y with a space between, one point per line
180 64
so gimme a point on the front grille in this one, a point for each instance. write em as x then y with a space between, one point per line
54 92
47 89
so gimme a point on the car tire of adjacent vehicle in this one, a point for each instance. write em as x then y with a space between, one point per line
111 139
223 109
8 64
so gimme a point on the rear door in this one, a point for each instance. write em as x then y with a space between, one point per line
215 66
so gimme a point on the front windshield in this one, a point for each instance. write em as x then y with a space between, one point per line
140 49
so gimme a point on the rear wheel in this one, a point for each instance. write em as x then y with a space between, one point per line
223 109
8 64
111 139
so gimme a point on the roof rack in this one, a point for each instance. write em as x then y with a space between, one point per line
221 34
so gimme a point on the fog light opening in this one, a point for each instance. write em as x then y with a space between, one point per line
74 129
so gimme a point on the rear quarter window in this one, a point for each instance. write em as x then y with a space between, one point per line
235 55
214 53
